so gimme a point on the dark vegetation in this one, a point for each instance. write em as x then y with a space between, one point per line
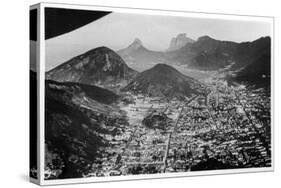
156 121
73 132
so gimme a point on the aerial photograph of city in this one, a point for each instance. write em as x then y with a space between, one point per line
135 94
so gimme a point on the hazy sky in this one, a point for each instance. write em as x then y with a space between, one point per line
118 30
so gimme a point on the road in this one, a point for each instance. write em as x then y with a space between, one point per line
174 130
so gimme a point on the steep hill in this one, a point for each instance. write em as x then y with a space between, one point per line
164 81
257 73
254 61
247 53
100 66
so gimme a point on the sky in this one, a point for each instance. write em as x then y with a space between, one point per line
118 30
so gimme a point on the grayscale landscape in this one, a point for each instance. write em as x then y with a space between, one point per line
196 104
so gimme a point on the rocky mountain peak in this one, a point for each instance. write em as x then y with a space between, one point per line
137 43
179 41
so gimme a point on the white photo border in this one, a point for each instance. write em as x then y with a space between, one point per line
41 65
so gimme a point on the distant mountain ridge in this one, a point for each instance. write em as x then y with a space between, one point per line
99 66
205 53
211 54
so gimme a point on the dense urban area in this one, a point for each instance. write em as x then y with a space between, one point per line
227 128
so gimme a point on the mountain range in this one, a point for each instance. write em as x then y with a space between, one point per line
250 61
205 53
